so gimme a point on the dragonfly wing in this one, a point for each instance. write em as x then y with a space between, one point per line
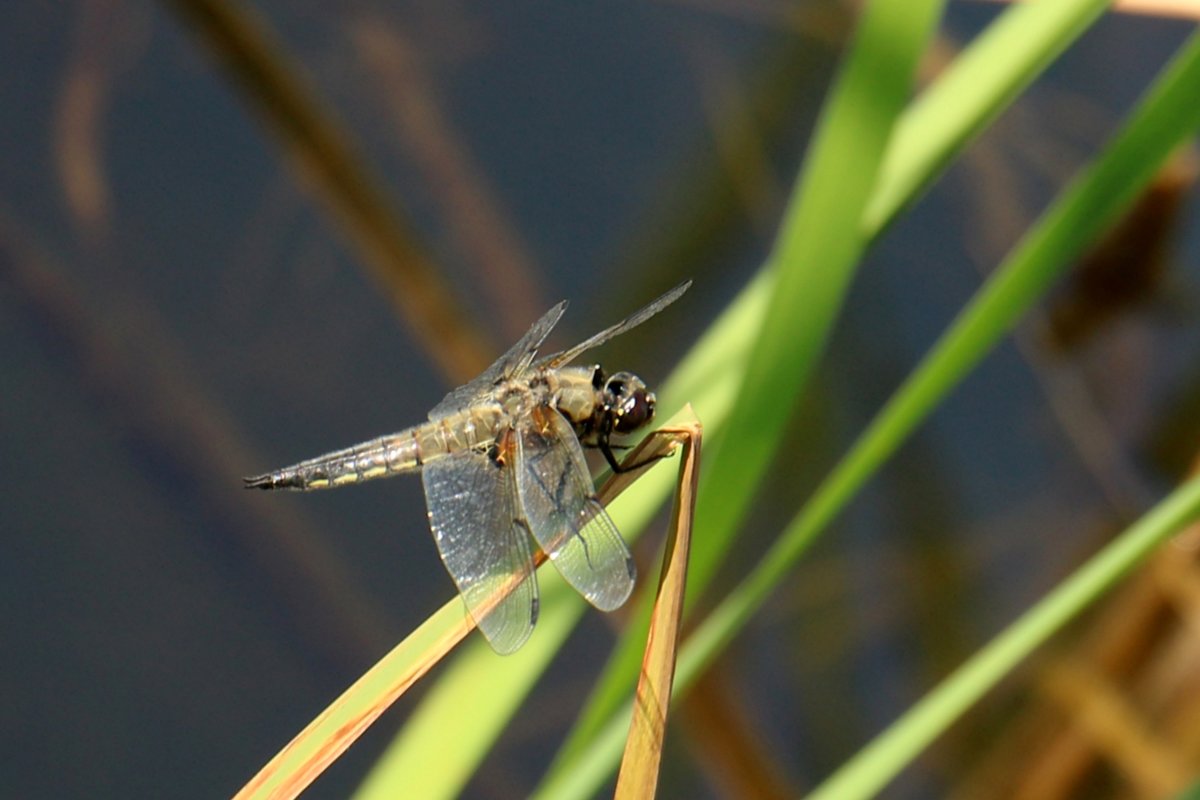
564 515
632 321
514 362
483 543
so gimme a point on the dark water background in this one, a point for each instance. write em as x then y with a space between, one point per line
176 311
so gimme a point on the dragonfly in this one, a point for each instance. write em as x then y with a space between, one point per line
502 463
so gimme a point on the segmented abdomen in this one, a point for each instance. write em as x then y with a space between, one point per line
405 451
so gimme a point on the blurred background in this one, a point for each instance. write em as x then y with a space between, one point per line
184 301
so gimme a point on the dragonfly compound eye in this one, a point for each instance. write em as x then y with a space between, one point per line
631 401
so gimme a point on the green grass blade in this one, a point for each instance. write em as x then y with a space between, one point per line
869 771
810 269
980 84
814 260
998 64
1165 118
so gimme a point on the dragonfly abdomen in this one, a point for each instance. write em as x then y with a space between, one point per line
393 454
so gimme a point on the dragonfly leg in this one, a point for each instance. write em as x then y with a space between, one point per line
607 450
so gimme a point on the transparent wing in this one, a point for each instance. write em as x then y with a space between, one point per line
472 511
632 321
514 362
564 515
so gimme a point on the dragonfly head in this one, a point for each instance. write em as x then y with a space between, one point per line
627 402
